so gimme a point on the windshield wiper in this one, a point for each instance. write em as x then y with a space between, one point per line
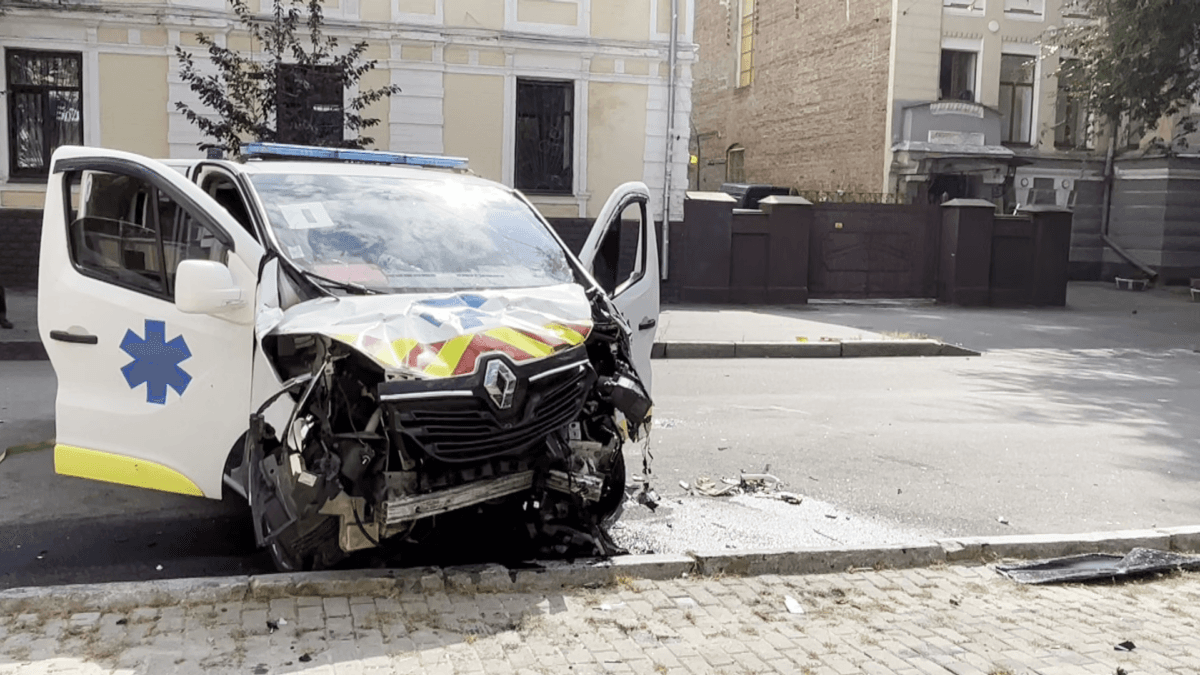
348 286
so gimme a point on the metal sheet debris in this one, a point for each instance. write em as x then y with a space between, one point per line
1099 566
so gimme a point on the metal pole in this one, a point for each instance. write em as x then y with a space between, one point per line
666 208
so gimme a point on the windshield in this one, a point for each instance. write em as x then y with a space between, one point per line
410 233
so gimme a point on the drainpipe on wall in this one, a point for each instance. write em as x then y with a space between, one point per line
666 209
1106 210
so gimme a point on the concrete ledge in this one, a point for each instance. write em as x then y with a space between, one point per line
1184 539
126 594
799 350
558 575
698 350
555 576
787 350
1053 545
816 561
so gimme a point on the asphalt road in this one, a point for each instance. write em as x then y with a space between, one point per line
1068 424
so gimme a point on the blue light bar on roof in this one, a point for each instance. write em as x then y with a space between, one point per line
344 155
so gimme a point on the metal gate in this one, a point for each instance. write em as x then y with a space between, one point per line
873 251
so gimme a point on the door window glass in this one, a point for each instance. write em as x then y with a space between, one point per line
619 258
127 232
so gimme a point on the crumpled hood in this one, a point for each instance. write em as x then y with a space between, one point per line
446 334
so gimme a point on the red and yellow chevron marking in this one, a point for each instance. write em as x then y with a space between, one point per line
460 355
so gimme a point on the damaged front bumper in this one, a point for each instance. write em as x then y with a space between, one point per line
368 453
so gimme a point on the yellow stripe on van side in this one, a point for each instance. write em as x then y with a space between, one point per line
103 466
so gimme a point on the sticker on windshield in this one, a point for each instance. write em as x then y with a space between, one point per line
309 216
295 252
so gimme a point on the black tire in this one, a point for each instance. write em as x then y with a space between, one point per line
314 549
612 495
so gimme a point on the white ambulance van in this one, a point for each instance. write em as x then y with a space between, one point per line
355 342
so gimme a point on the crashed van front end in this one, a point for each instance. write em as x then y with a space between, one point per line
407 407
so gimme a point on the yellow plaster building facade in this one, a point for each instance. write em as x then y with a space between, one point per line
473 74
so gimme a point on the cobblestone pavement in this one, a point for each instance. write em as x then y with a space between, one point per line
959 620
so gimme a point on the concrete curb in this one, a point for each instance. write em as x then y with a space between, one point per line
694 349
556 576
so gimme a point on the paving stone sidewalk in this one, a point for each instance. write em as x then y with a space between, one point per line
958 619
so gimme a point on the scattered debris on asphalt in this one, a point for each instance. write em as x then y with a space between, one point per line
1126 646
122 622
763 484
305 657
1099 566
793 605
1002 520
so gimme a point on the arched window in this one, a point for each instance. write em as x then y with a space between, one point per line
735 164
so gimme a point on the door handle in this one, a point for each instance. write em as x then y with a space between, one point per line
647 323
64 336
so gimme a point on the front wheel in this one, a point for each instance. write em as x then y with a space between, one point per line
612 495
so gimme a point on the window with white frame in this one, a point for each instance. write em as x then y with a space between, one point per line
45 107
1016 98
1025 8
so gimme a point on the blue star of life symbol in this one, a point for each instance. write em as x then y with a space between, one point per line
156 362
465 307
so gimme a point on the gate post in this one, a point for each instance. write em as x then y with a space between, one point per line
965 263
789 221
1051 253
708 240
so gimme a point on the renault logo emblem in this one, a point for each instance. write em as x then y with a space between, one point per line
500 384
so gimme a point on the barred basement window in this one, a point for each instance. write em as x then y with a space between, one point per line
45 108
545 137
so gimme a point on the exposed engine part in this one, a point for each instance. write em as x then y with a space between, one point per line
365 457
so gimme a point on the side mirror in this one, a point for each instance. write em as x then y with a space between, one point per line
205 287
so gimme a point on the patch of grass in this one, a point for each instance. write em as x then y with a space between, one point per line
625 583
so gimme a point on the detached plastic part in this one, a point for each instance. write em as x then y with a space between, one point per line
1099 566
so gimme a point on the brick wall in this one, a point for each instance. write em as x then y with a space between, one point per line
20 238
815 116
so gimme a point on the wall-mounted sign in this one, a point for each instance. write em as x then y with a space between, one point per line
956 137
956 108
